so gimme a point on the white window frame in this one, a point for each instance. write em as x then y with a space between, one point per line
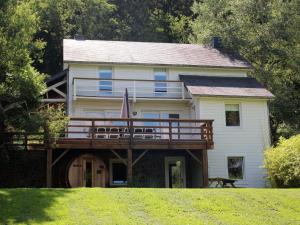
240 181
111 162
170 159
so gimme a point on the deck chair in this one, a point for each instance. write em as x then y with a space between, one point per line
138 133
101 133
126 133
149 133
114 133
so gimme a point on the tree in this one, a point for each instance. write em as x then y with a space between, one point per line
283 163
20 84
61 19
157 21
267 34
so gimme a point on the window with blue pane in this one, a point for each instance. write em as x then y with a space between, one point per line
160 87
151 116
105 83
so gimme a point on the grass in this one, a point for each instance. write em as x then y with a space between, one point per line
149 206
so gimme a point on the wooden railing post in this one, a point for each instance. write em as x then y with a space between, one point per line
93 130
210 134
170 131
131 133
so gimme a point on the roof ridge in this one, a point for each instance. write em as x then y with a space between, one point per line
146 42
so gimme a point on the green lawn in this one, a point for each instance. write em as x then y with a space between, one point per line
149 206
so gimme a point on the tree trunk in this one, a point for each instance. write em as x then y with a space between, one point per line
2 136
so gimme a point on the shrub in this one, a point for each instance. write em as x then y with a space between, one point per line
283 163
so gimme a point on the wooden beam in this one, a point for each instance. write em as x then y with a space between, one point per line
59 92
59 157
129 167
140 156
56 85
194 157
116 154
204 168
53 100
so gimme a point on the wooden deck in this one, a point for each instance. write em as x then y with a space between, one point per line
69 143
109 133
120 134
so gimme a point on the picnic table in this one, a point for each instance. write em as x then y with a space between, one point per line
222 182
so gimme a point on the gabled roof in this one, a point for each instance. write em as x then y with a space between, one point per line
225 86
148 53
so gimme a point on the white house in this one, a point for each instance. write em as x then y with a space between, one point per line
194 112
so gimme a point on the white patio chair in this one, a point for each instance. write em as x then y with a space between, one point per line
149 133
114 133
101 133
138 133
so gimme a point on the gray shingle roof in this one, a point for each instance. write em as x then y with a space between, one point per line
225 86
124 52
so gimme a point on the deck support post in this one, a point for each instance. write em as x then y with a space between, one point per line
49 150
204 168
49 167
129 167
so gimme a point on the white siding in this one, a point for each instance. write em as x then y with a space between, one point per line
83 105
139 72
249 140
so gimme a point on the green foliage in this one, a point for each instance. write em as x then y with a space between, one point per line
267 34
283 163
20 83
63 19
128 20
55 119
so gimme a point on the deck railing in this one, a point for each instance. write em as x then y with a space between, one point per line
114 88
112 129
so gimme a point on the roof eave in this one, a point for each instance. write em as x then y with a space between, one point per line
236 96
247 68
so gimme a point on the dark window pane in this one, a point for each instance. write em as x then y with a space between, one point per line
232 118
119 173
232 115
235 167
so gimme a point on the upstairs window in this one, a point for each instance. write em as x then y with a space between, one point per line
235 167
160 87
105 83
232 113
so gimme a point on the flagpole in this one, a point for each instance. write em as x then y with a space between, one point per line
127 103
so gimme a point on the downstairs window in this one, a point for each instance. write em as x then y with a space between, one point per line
235 166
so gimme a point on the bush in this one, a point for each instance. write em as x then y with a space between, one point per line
283 163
